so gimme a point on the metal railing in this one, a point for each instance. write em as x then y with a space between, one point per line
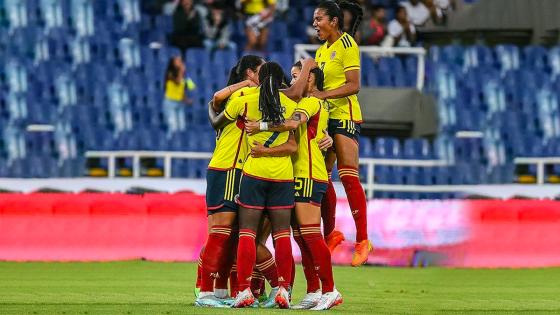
302 51
370 164
540 162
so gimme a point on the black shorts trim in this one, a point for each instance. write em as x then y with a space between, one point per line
308 190
260 194
222 186
347 128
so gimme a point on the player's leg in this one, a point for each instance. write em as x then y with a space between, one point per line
199 268
347 154
214 258
280 201
313 293
252 198
265 261
328 207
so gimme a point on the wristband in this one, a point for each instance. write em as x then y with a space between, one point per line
263 126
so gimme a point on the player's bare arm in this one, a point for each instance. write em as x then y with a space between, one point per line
295 92
226 92
285 149
298 118
217 120
351 87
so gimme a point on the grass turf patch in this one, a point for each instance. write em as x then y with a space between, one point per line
140 287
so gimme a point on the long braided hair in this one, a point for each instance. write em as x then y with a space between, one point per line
334 10
271 77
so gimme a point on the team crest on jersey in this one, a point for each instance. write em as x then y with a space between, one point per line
283 109
333 54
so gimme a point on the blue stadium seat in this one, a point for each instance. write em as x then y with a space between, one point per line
387 148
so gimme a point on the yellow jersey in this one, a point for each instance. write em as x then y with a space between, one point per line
256 6
308 160
231 143
343 55
176 91
267 168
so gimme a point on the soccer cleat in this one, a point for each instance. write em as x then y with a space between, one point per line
196 292
334 239
282 298
310 300
328 300
361 253
271 301
244 298
209 301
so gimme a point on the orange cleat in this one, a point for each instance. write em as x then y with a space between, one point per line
334 239
361 253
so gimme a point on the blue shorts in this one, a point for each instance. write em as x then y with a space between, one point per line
310 191
257 193
344 127
221 189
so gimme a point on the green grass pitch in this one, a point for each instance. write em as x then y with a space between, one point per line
139 287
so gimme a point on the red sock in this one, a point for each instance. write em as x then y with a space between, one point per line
214 255
356 198
308 268
267 266
257 282
199 269
328 209
233 280
246 256
228 260
313 239
283 255
293 277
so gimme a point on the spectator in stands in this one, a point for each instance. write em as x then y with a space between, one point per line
375 29
217 29
258 15
420 12
401 32
187 26
176 87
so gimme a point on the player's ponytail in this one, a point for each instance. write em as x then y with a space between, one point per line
271 77
238 72
357 14
319 78
335 10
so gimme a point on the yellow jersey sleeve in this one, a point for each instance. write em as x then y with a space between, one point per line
234 108
308 106
351 60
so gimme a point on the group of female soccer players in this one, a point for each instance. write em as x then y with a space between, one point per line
269 173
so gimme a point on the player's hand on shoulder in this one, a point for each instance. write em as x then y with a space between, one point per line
322 95
250 83
252 127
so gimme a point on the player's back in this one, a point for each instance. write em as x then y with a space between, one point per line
273 168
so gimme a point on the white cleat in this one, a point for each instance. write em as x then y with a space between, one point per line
310 300
209 300
328 300
282 298
244 298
